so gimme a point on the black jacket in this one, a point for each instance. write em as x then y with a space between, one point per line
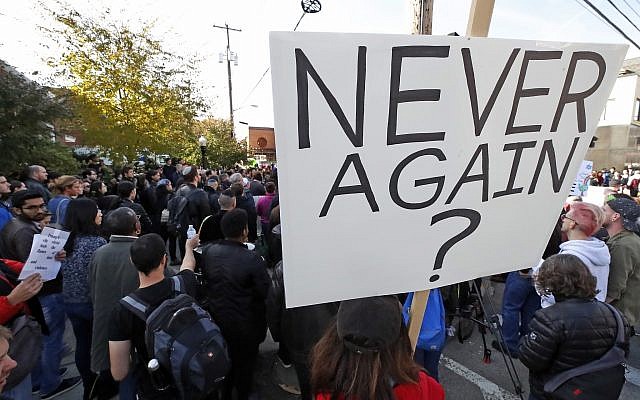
298 328
257 188
198 206
568 334
247 203
237 286
213 196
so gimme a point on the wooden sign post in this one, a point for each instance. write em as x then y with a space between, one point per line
478 25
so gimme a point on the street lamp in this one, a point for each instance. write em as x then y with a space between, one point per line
202 141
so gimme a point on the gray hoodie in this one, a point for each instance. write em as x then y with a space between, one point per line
594 253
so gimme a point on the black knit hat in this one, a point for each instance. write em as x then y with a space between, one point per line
629 210
369 324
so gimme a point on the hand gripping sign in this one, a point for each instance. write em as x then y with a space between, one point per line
412 162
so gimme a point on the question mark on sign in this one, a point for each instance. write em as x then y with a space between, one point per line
474 218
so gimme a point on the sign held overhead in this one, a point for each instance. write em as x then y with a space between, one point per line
411 162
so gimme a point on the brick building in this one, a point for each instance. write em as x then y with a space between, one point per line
262 144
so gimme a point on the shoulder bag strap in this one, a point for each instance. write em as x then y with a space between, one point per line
177 285
610 359
58 211
136 306
616 314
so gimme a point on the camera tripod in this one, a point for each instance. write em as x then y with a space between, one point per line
467 303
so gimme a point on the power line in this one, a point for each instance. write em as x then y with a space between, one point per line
631 8
625 17
611 23
268 68
578 2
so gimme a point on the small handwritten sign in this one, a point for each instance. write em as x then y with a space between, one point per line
44 248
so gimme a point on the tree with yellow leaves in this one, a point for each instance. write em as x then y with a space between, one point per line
130 96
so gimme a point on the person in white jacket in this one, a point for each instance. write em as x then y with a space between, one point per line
579 224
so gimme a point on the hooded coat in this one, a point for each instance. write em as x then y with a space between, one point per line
594 253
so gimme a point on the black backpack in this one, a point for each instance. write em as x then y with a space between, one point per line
178 212
185 341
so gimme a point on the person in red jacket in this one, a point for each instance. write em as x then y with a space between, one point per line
17 298
13 297
366 354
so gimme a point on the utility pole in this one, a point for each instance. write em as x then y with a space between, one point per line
229 56
422 17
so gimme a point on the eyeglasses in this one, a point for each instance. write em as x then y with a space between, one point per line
42 206
570 219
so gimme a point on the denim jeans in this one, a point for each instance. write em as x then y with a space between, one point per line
21 391
81 317
128 387
519 303
429 359
47 374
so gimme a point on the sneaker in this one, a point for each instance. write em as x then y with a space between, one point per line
65 386
497 346
451 331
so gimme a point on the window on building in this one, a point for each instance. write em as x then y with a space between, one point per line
636 110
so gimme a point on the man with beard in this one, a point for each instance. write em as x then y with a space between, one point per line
623 291
30 208
580 223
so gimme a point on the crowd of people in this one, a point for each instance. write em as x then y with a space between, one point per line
125 233
626 180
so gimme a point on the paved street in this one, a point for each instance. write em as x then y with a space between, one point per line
462 373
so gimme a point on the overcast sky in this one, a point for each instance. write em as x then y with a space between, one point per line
186 27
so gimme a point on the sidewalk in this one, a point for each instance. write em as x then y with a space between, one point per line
266 370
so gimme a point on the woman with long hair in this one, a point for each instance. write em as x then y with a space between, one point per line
98 193
66 188
366 354
83 219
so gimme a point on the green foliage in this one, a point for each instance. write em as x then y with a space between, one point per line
130 96
222 149
26 112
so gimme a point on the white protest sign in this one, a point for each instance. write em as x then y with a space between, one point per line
581 183
44 248
413 162
596 194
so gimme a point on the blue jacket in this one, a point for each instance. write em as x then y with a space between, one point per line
5 215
